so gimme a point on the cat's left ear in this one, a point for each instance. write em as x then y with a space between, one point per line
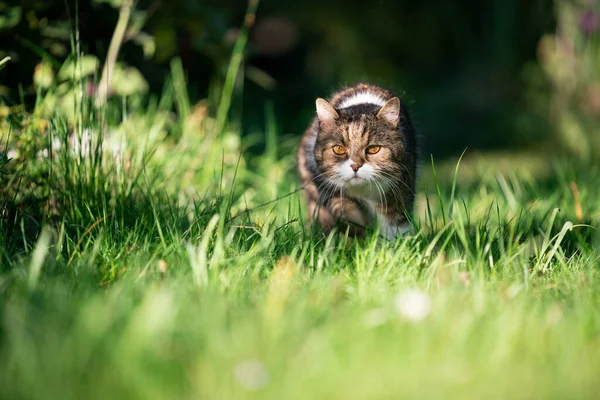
325 111
391 111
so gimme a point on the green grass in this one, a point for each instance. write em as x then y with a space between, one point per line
180 267
253 305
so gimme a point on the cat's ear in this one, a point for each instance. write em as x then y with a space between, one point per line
327 115
391 111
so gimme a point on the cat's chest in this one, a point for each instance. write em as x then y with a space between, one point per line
387 227
375 202
365 193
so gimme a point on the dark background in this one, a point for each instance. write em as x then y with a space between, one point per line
465 68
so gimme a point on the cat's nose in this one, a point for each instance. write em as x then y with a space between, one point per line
355 167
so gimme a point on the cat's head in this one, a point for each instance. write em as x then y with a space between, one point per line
360 145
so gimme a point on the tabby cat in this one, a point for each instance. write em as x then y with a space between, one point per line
357 162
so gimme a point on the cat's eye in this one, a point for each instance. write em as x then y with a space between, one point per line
339 150
373 149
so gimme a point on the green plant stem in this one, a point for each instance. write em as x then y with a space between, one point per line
4 61
234 66
113 52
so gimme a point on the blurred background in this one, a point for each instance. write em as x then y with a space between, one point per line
488 75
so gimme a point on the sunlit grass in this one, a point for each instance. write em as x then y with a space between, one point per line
162 279
167 260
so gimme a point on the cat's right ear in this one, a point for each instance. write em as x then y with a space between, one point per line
327 114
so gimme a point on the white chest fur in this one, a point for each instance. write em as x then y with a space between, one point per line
387 228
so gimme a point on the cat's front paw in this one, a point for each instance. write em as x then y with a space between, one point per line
392 232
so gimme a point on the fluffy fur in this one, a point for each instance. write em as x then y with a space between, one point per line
371 184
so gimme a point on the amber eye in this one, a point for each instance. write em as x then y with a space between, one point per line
339 150
373 149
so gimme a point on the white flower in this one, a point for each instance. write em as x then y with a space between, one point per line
56 143
89 142
12 154
41 154
116 146
251 374
85 144
413 304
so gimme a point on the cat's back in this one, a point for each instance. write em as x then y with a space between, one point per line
361 94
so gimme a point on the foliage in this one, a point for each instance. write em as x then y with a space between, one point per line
458 62
154 281
59 85
570 60
145 252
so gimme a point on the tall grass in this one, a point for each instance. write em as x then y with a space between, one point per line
175 264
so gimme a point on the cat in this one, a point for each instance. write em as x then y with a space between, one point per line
357 163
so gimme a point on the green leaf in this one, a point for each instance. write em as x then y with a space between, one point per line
147 43
127 81
43 75
79 68
10 18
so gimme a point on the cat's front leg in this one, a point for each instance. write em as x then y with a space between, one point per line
349 216
391 231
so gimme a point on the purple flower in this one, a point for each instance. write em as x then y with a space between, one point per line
589 21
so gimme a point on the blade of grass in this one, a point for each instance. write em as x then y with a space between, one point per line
439 192
4 61
453 191
235 62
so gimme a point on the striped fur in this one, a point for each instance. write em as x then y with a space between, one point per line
380 192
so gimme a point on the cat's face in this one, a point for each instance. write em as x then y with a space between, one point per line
359 148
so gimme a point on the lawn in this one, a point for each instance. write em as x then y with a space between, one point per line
153 255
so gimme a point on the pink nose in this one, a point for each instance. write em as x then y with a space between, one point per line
355 167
